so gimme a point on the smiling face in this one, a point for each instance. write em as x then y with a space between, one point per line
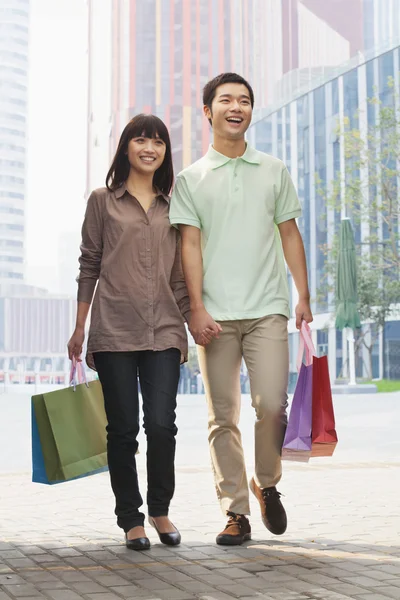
231 111
146 155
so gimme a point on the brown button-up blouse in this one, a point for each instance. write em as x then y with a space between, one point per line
141 298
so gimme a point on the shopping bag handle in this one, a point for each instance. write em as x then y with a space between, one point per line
305 344
77 372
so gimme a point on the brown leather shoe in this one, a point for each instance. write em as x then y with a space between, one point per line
236 532
272 512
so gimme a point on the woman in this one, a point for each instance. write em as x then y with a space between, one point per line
137 326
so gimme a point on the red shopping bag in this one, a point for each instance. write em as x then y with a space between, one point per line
324 436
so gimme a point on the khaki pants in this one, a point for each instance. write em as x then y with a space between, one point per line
263 343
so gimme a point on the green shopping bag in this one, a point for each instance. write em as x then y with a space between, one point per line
72 429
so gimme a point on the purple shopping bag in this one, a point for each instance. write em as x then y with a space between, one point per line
297 442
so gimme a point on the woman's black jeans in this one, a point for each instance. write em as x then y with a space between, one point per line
159 377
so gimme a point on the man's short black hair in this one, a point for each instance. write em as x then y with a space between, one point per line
211 87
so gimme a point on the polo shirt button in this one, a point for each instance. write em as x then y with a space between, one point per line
236 188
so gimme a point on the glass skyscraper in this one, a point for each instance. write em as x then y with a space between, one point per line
303 133
14 38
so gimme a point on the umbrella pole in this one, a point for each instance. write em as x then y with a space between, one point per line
352 360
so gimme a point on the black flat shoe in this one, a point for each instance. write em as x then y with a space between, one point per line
169 539
141 543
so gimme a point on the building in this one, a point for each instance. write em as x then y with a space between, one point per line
155 56
303 133
381 20
34 332
68 262
14 46
315 39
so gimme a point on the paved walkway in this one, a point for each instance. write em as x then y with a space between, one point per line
343 541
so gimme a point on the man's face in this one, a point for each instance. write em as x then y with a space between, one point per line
231 111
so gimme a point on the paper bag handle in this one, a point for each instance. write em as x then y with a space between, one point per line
305 344
77 373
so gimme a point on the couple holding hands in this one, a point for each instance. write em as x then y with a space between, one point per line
211 254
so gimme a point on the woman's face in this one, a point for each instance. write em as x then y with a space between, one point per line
146 155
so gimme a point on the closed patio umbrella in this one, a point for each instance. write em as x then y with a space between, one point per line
347 316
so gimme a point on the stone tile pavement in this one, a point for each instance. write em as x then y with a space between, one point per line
343 541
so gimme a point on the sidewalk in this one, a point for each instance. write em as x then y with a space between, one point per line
343 541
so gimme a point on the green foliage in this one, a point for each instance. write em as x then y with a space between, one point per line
387 385
368 192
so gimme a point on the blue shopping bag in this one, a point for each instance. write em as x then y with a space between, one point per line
38 469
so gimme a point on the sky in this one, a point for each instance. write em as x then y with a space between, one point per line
56 174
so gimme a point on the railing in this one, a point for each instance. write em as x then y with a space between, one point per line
332 72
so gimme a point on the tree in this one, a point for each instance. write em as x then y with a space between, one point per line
375 305
368 192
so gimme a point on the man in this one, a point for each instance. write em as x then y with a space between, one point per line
236 209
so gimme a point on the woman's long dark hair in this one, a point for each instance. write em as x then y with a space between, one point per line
148 126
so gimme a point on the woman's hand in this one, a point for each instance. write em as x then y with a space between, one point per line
203 327
75 344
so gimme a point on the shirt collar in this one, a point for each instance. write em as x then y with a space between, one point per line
119 192
251 155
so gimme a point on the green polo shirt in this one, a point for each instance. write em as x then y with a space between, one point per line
237 204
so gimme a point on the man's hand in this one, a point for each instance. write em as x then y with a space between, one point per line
203 327
303 312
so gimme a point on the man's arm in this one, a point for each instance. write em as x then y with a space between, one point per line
202 326
295 257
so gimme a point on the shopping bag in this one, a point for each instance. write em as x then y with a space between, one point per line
297 442
38 469
324 436
69 431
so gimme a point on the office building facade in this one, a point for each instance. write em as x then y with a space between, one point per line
14 46
304 134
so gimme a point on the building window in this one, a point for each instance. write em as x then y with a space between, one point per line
320 128
12 117
15 70
386 72
10 275
350 97
11 180
11 227
15 195
12 148
12 163
14 259
335 97
371 108
11 243
12 211
13 55
14 132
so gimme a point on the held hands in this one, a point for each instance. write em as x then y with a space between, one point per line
75 344
303 312
203 327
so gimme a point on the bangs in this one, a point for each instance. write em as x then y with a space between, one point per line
148 126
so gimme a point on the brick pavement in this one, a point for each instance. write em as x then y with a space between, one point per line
343 541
